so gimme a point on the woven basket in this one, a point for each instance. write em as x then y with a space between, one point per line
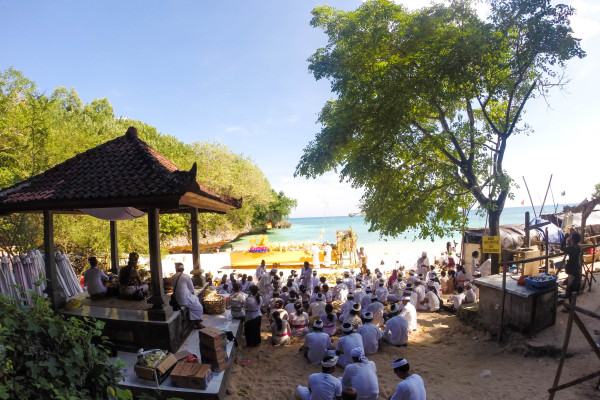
214 305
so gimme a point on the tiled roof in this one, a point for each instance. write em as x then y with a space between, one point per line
122 172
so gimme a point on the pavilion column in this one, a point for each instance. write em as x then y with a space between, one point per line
114 248
52 289
158 290
197 277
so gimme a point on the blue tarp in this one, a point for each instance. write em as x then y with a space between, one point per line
555 234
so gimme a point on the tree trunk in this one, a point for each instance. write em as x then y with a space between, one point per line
494 220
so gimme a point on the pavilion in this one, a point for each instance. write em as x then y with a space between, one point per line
116 180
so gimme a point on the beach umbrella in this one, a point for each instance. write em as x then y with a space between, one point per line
7 280
38 270
61 275
70 283
21 279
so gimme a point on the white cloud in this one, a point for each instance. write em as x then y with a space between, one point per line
233 129
585 22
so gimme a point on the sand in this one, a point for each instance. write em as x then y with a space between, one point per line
454 360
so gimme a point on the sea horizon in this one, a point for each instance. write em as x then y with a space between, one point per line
405 248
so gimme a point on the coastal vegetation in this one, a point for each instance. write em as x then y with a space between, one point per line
427 101
38 131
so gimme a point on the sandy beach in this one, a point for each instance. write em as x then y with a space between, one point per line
455 360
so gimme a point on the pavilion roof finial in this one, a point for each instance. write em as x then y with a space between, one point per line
131 132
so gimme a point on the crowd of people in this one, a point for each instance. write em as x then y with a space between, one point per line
362 308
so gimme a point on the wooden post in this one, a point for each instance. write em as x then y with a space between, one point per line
195 244
527 235
114 248
503 299
155 263
52 289
547 251
563 354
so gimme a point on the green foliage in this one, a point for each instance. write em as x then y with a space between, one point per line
596 191
426 102
46 356
39 131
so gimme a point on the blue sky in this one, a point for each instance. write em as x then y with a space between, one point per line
236 72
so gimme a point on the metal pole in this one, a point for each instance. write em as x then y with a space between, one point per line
114 248
547 251
531 201
544 202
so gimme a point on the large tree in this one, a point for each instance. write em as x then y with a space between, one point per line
426 102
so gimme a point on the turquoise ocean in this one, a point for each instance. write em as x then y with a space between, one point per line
404 248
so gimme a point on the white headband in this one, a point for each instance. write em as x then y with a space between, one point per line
330 363
399 363
347 327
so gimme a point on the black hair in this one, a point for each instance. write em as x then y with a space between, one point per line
403 368
575 238
298 307
225 286
236 287
278 320
475 253
254 292
325 288
323 279
460 289
329 311
93 261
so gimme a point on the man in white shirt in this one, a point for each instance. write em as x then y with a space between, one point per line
323 385
410 313
376 308
432 298
419 291
94 279
396 328
346 343
362 376
457 299
316 343
366 299
260 271
327 255
183 290
382 292
412 386
359 293
306 276
422 263
349 281
317 308
370 334
470 296
314 250
340 291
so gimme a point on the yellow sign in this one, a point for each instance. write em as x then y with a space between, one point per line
491 244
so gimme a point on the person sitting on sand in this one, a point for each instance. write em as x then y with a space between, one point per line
347 306
236 302
382 292
329 320
412 386
461 276
370 334
322 385
327 293
457 300
346 343
340 291
376 308
280 330
317 308
130 282
432 298
316 343
299 320
396 328
183 290
353 316
470 296
94 279
361 375
409 312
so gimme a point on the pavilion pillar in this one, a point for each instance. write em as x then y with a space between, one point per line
197 276
158 297
52 289
114 248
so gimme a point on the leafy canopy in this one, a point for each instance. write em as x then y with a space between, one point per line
426 102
